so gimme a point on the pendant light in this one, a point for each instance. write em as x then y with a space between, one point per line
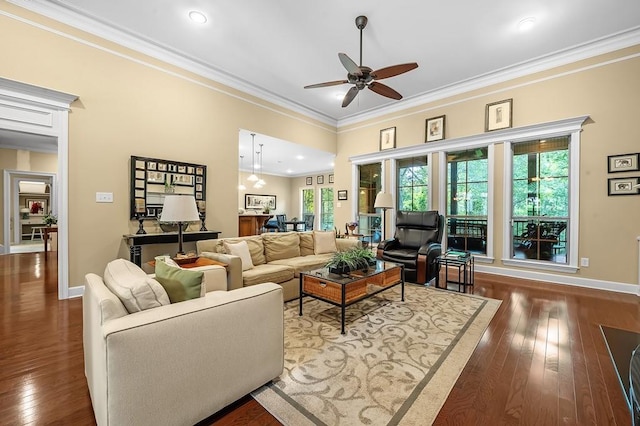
261 181
253 177
241 186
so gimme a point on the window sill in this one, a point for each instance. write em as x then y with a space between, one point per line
542 265
478 258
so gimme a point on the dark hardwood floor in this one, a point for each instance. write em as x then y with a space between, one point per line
542 360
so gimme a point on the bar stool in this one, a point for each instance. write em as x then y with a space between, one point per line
37 229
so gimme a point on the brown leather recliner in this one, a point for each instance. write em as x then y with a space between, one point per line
416 244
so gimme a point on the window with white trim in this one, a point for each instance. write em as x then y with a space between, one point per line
412 184
467 200
540 199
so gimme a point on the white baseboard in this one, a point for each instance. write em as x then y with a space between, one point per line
561 279
76 291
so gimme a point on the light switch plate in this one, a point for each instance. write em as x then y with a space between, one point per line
104 197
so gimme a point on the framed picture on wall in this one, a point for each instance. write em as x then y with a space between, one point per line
387 138
342 194
256 201
624 186
623 163
498 115
331 178
320 179
309 180
434 129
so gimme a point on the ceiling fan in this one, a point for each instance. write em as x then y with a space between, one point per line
361 76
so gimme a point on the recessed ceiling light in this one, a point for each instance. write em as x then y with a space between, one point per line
197 17
299 157
526 24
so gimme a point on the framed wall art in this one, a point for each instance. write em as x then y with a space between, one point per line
342 194
624 186
331 178
434 129
320 179
623 163
152 178
498 115
387 138
259 202
309 180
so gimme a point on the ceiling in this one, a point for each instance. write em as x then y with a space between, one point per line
273 49
280 157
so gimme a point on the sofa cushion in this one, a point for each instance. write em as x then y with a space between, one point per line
305 263
180 284
134 288
267 273
281 245
256 247
324 242
306 243
241 250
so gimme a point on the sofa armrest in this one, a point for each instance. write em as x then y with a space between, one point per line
344 244
215 277
214 349
234 268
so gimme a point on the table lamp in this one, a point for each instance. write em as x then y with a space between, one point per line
179 209
384 202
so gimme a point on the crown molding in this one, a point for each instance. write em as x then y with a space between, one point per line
59 11
35 94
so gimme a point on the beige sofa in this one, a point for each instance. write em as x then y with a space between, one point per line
277 257
182 362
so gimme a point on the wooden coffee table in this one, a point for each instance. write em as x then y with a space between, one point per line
345 290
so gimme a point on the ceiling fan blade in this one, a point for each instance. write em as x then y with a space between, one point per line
351 94
384 90
328 83
348 63
393 70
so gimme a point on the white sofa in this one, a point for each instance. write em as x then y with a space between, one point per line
180 363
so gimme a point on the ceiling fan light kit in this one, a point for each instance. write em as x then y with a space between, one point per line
362 76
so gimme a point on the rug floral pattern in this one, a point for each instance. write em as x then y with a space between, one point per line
374 373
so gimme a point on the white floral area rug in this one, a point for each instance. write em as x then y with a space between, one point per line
396 364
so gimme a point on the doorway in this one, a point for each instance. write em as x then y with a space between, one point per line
31 196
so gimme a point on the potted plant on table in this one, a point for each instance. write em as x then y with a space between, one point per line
343 262
50 219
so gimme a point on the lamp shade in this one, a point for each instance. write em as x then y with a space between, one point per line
179 208
383 201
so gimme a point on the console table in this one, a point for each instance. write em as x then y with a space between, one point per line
136 241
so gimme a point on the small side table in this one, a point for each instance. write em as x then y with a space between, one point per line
464 264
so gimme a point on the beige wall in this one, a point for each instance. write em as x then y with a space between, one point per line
605 88
130 104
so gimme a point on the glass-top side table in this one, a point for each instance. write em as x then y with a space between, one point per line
458 270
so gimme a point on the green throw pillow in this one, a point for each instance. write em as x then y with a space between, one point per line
180 284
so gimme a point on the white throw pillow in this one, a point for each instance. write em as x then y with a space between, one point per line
241 250
324 242
133 286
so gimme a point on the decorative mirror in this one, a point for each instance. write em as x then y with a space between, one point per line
152 178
